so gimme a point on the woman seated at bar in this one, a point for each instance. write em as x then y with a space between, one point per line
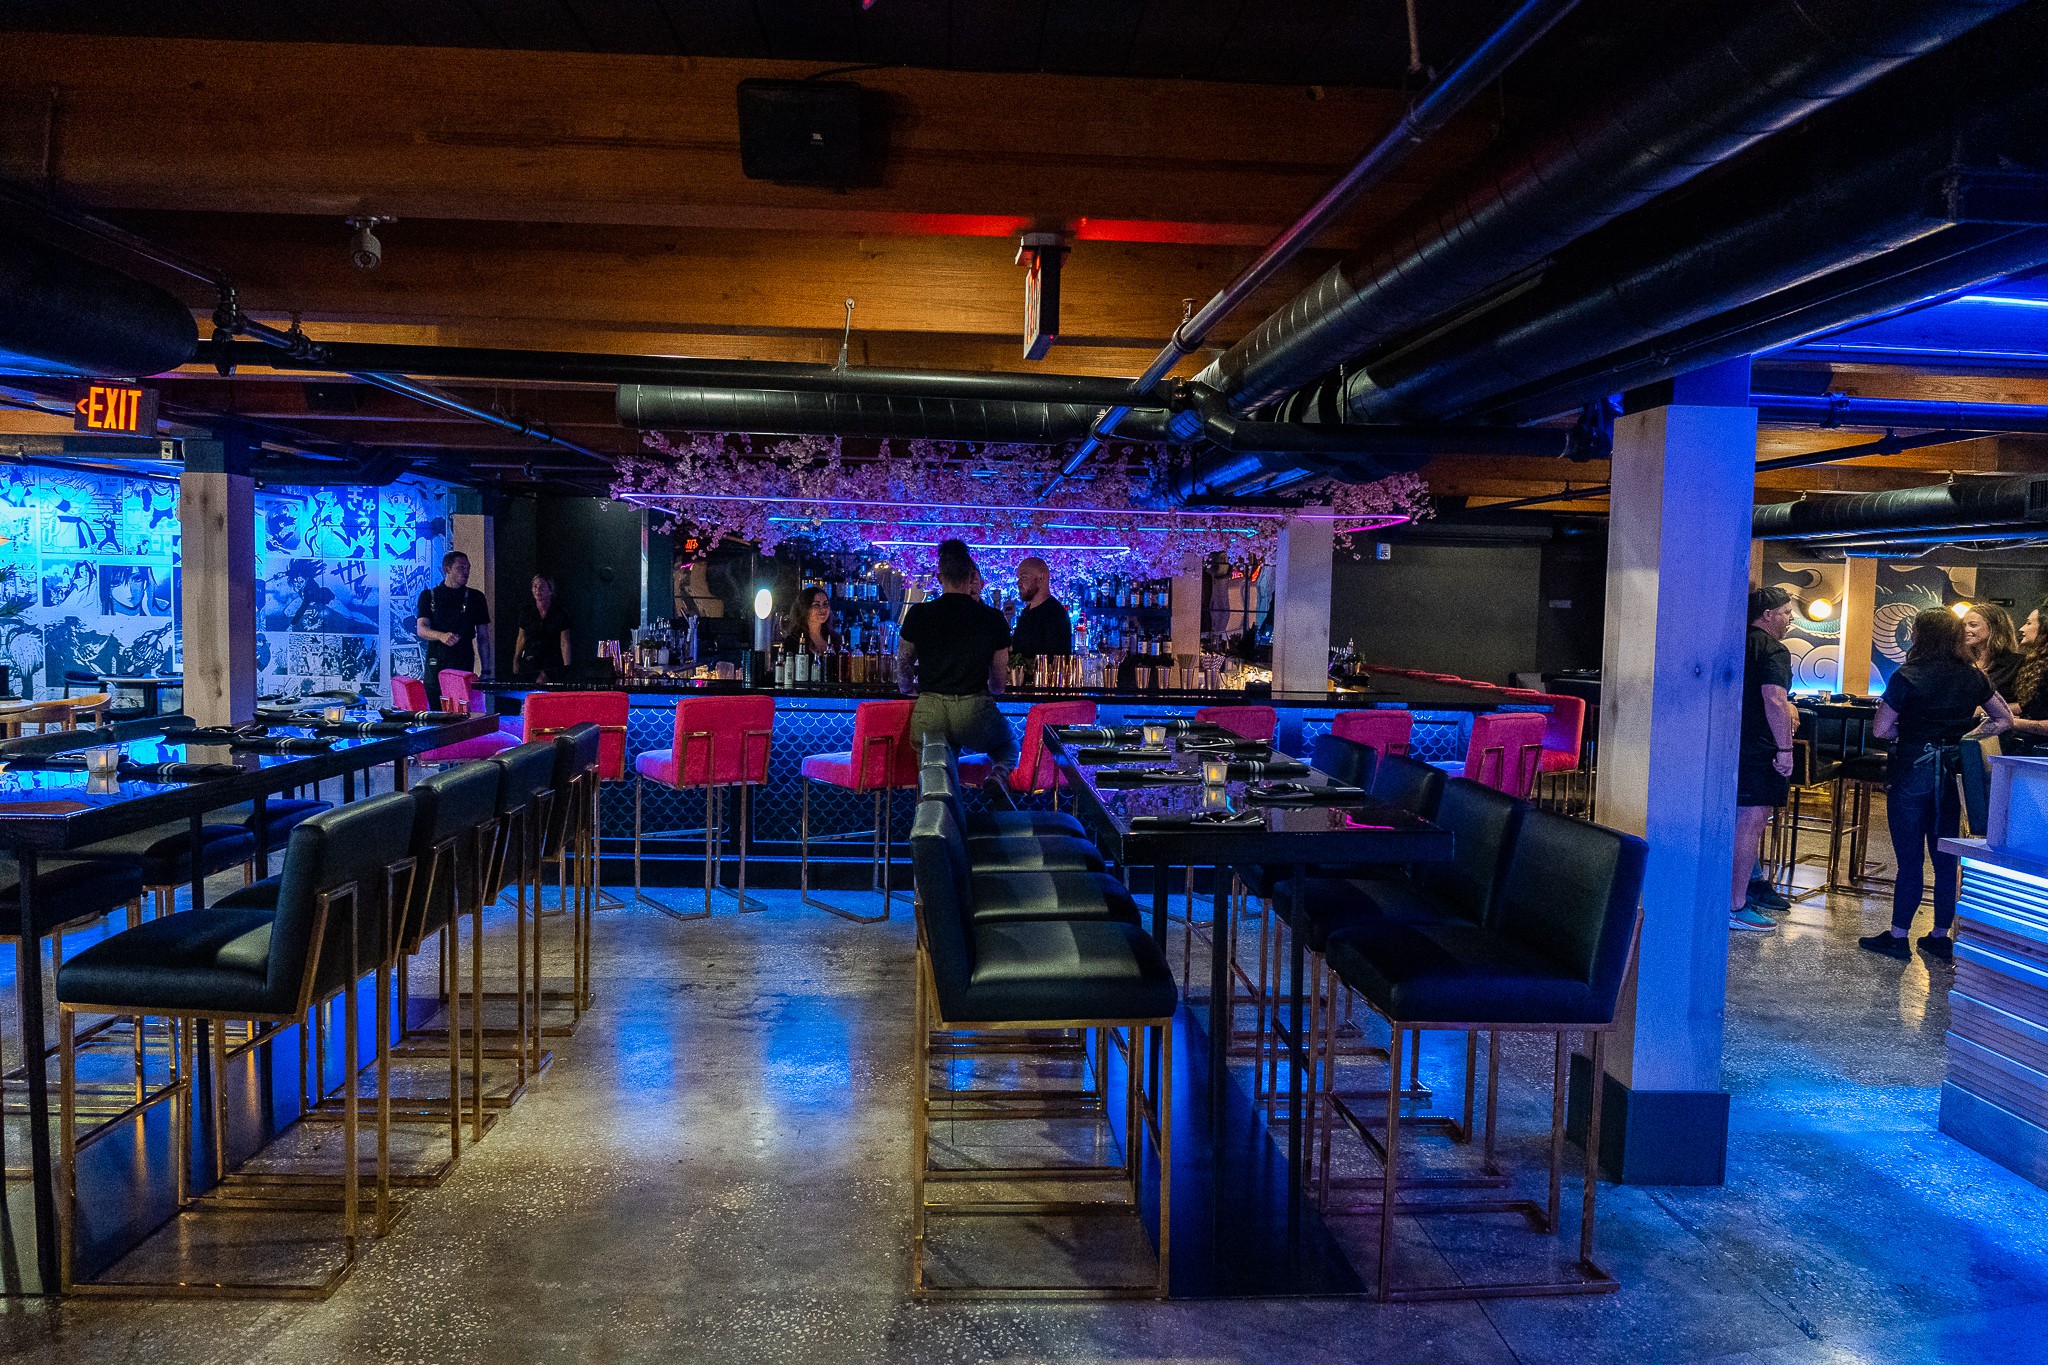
1930 706
959 649
540 653
809 624
1992 645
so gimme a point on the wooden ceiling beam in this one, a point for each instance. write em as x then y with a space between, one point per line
514 136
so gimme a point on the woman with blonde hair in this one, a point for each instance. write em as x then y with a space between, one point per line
1993 645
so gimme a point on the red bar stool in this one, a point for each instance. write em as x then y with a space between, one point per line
719 742
547 714
1035 771
884 758
1505 752
1386 731
1246 722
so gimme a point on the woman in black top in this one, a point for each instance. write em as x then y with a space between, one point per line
1991 644
809 623
2030 689
1930 705
542 650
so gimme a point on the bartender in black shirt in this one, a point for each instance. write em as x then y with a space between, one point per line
454 622
959 647
1043 629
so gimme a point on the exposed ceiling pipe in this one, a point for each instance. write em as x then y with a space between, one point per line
1880 173
578 367
1836 410
1436 108
63 315
1990 363
1978 506
1703 97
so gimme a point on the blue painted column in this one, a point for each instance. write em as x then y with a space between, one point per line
1683 479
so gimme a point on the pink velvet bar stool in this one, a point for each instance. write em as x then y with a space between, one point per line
1505 752
1384 730
1035 771
719 742
882 761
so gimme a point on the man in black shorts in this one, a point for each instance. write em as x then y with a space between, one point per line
1764 770
959 647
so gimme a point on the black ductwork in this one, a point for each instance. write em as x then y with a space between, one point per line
1888 414
579 367
771 412
1876 175
1719 94
1977 508
61 314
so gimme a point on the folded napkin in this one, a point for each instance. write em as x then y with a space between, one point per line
422 717
1095 734
1208 819
1144 777
1093 755
281 744
352 728
1217 744
131 771
220 734
1280 793
1242 769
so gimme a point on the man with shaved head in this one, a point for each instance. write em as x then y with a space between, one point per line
1043 628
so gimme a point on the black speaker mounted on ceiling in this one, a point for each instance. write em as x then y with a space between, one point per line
800 132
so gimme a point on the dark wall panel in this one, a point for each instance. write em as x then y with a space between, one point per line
591 548
1470 610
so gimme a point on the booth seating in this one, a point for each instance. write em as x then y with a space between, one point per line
979 976
1035 771
326 926
1548 957
1385 729
719 743
884 759
1505 752
1246 722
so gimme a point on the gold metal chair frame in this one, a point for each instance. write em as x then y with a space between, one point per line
879 836
1143 1122
525 826
714 819
266 1193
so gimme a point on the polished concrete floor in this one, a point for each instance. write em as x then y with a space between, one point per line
715 1169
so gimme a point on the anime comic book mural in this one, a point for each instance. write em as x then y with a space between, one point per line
90 585
341 570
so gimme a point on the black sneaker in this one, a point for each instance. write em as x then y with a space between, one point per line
1764 896
1938 945
1886 944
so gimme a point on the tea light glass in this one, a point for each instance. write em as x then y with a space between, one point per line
334 715
1215 799
97 785
1155 736
103 760
1215 771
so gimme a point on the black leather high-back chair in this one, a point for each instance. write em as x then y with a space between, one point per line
526 795
1408 783
295 945
1483 823
1570 890
573 839
1345 760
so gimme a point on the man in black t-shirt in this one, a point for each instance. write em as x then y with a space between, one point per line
1044 629
1764 767
455 623
959 649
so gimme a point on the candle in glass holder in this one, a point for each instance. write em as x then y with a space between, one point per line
103 760
1155 736
1215 799
334 715
1215 771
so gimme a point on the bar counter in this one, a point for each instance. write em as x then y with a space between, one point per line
819 719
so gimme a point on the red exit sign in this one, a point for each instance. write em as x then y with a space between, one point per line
125 409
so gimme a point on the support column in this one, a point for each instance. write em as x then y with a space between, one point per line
472 532
1190 608
1670 715
1859 607
1301 605
217 567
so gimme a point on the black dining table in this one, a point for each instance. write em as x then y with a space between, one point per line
1151 809
47 811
